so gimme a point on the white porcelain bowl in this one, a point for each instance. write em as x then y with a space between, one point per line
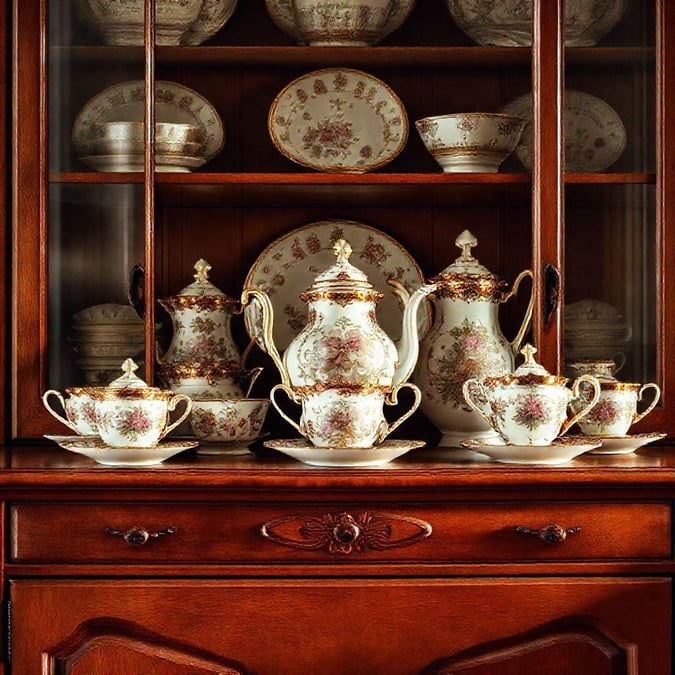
470 142
508 23
228 420
121 22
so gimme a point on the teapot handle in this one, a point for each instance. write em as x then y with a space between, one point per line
289 392
253 374
576 392
620 361
518 340
392 399
53 413
266 339
638 416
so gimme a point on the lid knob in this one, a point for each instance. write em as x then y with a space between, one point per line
466 241
202 268
528 351
342 250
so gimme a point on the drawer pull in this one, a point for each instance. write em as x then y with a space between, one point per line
344 533
137 536
551 534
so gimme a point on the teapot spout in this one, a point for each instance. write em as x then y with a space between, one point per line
259 323
409 346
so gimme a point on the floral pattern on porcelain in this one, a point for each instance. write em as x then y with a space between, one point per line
79 408
532 411
352 350
224 421
343 22
462 352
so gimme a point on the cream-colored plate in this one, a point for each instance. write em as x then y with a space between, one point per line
620 445
562 450
102 453
307 453
125 102
213 15
595 136
135 163
288 266
338 120
281 12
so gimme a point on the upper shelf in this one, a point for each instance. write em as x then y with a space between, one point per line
394 57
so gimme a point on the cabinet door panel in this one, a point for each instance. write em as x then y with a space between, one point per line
357 626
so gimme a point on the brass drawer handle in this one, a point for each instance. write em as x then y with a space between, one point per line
551 534
137 536
344 533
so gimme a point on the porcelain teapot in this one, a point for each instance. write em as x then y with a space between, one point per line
530 406
465 341
342 346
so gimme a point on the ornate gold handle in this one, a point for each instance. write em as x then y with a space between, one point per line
137 536
551 534
344 533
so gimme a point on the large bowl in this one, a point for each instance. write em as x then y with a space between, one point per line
508 23
228 420
123 22
126 138
470 142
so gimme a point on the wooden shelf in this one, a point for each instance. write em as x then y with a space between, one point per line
308 57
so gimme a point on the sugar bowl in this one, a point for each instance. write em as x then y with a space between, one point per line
530 406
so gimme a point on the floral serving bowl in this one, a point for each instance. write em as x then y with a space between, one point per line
471 142
226 420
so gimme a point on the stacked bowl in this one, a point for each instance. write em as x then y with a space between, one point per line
104 335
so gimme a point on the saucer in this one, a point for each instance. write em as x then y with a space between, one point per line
621 445
231 448
560 451
96 449
377 455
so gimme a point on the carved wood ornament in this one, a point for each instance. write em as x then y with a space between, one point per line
344 533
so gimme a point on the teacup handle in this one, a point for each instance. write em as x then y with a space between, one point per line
173 402
638 416
619 361
53 413
289 392
392 399
255 374
576 393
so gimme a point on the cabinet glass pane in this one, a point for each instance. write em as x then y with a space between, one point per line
95 224
611 217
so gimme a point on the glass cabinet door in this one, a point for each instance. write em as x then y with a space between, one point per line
613 225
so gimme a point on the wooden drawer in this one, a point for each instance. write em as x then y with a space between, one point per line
438 533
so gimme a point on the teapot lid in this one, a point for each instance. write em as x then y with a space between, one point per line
342 276
466 278
531 372
201 294
201 285
129 380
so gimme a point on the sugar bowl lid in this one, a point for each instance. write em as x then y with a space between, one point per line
129 379
342 276
531 372
466 277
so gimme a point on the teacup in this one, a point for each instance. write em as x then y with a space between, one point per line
604 370
79 407
343 417
228 420
616 410
529 407
137 418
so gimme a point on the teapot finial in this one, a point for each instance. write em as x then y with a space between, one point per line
202 268
528 351
342 250
129 367
466 241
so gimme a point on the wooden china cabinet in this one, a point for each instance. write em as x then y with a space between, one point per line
263 565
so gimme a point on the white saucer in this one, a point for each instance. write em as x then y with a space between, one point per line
96 449
304 451
621 445
560 451
231 448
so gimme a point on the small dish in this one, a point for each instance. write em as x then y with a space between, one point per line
305 452
136 163
100 452
562 450
232 448
595 136
338 120
620 445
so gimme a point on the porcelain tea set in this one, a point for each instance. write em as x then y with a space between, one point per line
344 371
